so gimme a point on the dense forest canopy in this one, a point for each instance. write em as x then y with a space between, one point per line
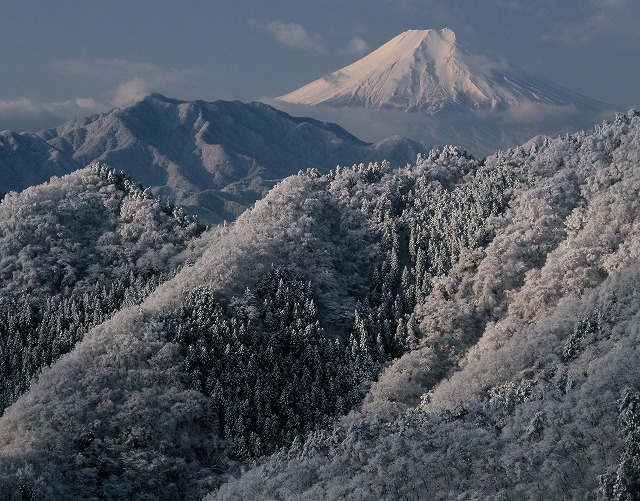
523 382
457 328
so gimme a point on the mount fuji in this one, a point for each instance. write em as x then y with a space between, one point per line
463 98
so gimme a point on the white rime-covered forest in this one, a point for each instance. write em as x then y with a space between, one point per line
457 328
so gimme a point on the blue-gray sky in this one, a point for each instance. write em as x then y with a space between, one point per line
65 58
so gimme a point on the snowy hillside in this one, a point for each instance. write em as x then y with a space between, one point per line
523 383
454 329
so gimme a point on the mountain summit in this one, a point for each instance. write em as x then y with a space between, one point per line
427 71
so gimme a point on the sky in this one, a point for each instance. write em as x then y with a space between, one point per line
63 59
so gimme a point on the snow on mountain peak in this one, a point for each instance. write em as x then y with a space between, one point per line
427 71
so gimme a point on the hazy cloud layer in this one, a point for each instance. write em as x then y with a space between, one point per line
295 35
28 114
365 124
124 82
479 132
532 113
130 80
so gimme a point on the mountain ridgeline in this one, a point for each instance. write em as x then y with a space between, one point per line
457 328
213 159
26 160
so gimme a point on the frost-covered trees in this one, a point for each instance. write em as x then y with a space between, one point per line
302 367
455 329
74 251
526 338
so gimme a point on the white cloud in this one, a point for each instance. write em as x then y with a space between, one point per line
294 35
25 113
532 113
131 91
121 81
20 105
356 47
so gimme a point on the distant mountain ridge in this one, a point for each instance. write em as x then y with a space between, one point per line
213 158
27 160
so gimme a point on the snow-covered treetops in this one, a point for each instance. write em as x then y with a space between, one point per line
453 329
74 250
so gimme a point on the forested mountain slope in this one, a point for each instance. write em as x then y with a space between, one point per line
524 383
145 403
73 251
493 301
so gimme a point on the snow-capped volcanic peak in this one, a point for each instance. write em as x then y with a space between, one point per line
426 70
